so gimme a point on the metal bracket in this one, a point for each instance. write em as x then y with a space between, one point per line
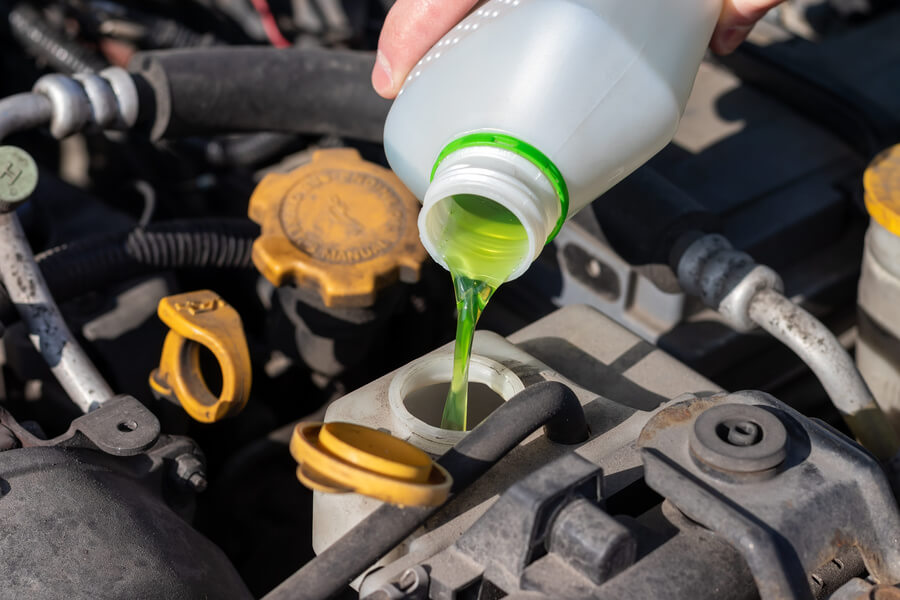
786 491
122 426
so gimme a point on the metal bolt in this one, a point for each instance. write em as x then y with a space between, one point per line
739 438
191 470
18 174
742 433
197 482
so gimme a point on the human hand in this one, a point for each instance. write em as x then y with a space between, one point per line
413 26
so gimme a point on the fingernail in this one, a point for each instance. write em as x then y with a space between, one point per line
382 80
731 38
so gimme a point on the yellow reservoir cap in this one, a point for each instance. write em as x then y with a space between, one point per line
195 319
339 225
344 457
882 185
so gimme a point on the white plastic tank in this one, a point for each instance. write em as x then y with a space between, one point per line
543 105
878 347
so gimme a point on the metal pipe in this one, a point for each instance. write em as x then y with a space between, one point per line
23 111
829 361
26 286
47 328
747 294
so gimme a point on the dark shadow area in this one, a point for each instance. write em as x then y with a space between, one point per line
605 380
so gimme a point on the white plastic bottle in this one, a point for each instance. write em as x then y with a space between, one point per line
542 106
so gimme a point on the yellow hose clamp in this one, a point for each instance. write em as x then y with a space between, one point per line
343 457
195 319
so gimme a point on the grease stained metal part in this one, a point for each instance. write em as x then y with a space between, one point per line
202 318
47 329
18 174
791 516
339 226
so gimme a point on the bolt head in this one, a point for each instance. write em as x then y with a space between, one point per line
739 439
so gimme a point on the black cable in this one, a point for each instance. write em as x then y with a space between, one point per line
74 269
31 30
548 404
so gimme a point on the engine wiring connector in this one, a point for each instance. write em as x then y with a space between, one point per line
202 318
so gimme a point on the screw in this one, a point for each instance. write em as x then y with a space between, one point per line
743 433
18 174
197 482
191 470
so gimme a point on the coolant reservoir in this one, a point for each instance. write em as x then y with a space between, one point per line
878 349
540 106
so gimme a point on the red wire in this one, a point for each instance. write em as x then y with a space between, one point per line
269 24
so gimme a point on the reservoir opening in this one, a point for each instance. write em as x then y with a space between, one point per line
427 403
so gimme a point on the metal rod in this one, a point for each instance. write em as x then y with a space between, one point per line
829 361
47 328
23 111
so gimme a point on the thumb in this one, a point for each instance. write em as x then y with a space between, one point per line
411 28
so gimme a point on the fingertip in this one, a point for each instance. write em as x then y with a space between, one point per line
727 40
382 77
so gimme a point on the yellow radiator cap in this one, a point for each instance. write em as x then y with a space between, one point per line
344 457
882 184
339 225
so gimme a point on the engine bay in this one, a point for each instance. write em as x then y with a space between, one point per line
210 273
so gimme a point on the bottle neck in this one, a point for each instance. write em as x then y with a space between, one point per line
460 239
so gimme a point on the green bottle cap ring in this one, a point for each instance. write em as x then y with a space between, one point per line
527 151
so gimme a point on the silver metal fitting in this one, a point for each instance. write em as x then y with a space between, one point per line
71 105
725 279
108 100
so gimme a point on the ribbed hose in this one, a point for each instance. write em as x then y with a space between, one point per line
549 404
79 267
29 28
234 89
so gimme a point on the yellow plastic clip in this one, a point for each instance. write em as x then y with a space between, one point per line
344 457
202 318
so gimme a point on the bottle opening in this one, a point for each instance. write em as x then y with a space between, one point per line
478 237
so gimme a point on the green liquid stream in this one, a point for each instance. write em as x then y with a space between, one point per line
483 243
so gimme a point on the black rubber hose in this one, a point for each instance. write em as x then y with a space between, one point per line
247 150
30 29
550 404
203 91
74 269
644 215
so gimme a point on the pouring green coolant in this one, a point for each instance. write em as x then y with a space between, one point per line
482 245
